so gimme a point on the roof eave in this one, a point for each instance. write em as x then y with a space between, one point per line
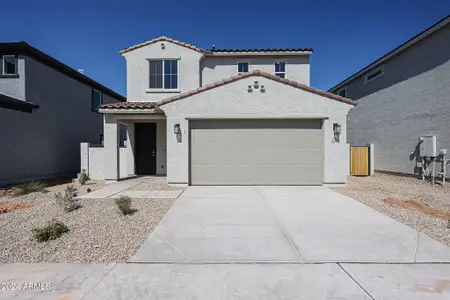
393 53
258 53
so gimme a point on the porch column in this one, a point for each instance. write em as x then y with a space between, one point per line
130 149
111 147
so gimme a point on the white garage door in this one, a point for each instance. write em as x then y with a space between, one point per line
256 152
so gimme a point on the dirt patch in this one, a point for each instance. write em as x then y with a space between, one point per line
9 207
419 206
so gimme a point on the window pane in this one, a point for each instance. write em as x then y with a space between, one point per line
156 81
280 67
242 67
174 67
167 82
174 81
155 67
96 100
10 64
167 64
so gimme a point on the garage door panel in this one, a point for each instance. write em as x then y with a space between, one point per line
261 143
286 175
252 152
248 157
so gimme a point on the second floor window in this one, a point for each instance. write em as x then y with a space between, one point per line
96 100
164 74
242 67
9 65
342 92
280 69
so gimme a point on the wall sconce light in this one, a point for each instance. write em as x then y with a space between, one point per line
163 46
337 132
263 89
256 84
176 129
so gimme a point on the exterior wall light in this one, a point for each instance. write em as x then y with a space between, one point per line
176 129
337 132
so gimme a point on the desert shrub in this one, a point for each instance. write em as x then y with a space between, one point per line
51 231
124 204
30 187
67 201
84 177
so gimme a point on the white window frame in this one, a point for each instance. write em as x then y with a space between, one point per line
3 65
340 90
285 67
239 61
157 90
366 80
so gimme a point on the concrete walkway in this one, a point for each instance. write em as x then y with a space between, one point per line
225 281
121 188
282 224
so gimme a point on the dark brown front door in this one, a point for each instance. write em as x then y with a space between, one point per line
145 148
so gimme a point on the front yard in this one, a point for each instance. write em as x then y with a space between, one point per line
411 201
98 232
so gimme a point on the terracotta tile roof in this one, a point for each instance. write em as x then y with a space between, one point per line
263 50
129 105
257 73
222 52
164 39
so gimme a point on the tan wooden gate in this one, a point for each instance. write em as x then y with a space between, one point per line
359 161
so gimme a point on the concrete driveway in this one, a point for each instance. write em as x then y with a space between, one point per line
282 224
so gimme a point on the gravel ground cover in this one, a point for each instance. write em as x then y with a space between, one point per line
98 231
374 189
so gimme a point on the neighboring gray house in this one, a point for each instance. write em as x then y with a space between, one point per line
46 110
224 117
402 96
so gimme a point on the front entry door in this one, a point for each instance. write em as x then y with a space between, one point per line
145 148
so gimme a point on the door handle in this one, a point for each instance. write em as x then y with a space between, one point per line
153 152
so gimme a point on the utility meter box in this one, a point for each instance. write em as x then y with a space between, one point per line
428 146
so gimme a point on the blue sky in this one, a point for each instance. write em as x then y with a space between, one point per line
345 35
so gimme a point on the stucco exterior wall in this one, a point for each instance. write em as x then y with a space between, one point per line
217 68
46 143
96 164
409 101
15 86
234 101
138 70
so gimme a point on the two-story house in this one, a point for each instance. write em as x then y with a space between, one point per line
46 110
226 117
403 96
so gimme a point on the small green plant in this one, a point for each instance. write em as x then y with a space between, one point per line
67 201
51 231
124 204
84 177
30 187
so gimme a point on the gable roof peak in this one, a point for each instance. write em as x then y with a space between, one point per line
163 38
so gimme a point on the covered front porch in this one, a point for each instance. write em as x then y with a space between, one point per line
143 152
145 146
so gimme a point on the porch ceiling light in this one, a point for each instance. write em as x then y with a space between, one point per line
176 129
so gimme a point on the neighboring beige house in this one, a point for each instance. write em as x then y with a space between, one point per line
225 117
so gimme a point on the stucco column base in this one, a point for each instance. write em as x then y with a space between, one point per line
111 147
